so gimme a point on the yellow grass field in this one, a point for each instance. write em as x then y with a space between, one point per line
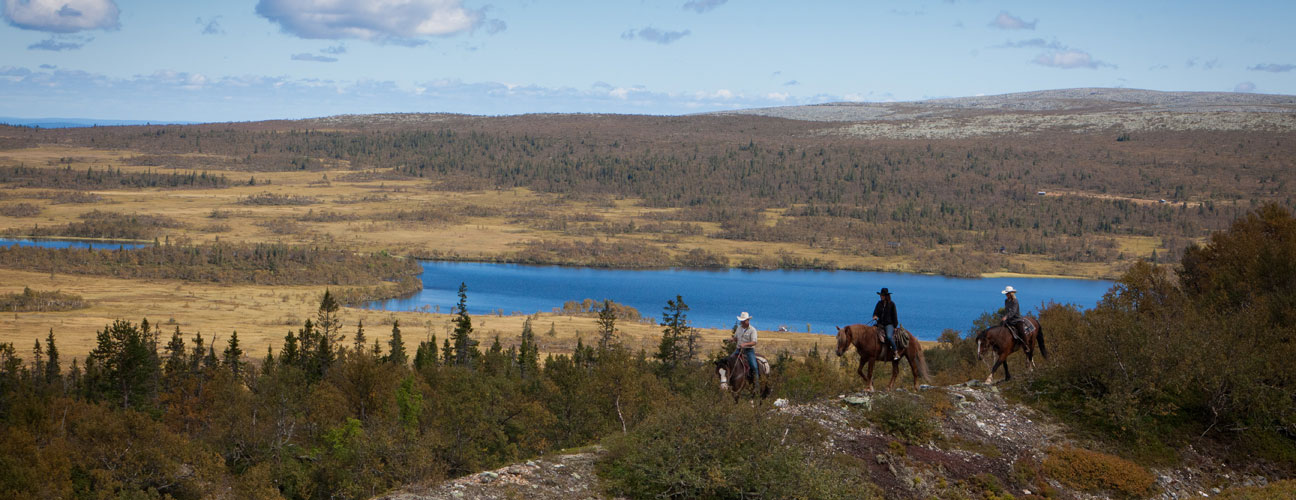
263 314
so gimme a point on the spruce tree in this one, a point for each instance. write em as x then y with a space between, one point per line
606 326
528 354
465 348
395 346
359 341
52 369
175 349
678 338
233 355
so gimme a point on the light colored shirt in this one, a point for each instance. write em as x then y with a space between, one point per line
744 336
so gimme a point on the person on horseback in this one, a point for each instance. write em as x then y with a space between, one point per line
1012 317
745 338
884 313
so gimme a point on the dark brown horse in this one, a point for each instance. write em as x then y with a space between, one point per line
865 340
999 342
734 377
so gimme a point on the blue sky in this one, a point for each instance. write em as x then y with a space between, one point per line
237 60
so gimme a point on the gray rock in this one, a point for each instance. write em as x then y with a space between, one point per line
856 400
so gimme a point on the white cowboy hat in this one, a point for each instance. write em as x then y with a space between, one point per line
744 316
1008 289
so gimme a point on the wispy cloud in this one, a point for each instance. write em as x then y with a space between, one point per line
306 56
1034 43
701 6
654 35
1273 68
62 16
335 49
210 26
1070 59
404 22
790 83
61 43
1244 87
1206 65
1006 21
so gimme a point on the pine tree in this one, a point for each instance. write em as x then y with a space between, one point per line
327 323
606 326
127 363
528 354
289 354
175 349
38 363
359 340
233 355
196 356
396 346
52 369
447 353
465 348
677 340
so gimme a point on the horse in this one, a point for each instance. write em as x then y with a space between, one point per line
870 349
733 375
999 341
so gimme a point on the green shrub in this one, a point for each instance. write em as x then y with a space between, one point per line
903 417
713 449
1098 472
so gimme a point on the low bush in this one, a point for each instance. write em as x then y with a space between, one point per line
900 415
20 210
37 301
709 449
1098 472
1278 490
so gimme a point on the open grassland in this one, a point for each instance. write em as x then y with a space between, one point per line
416 217
262 315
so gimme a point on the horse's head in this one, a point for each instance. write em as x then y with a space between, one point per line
722 369
843 340
982 344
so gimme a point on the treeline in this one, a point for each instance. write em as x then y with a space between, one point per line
106 178
332 414
260 264
848 194
107 225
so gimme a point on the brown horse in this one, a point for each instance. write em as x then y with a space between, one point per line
999 341
865 340
733 375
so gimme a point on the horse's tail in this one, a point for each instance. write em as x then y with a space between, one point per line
1039 335
980 341
918 355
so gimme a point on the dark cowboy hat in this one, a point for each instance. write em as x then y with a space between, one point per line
884 292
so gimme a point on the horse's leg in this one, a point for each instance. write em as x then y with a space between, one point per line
860 370
913 367
869 379
1007 374
895 372
994 365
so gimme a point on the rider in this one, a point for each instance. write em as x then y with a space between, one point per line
884 313
1013 318
745 338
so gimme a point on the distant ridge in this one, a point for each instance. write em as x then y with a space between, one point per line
1080 100
80 122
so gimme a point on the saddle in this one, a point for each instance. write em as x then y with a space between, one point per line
760 360
901 338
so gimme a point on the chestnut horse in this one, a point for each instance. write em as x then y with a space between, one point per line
999 341
865 340
733 375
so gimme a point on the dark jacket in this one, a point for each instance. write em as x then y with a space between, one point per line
1012 313
885 310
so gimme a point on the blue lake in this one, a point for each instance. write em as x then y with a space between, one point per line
91 244
795 299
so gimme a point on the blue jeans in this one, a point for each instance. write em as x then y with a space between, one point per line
890 336
752 367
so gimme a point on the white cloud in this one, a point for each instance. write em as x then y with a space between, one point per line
1245 87
1069 59
655 35
1006 21
395 21
701 6
62 16
1034 43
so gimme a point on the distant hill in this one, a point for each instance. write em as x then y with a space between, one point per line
1071 101
79 122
